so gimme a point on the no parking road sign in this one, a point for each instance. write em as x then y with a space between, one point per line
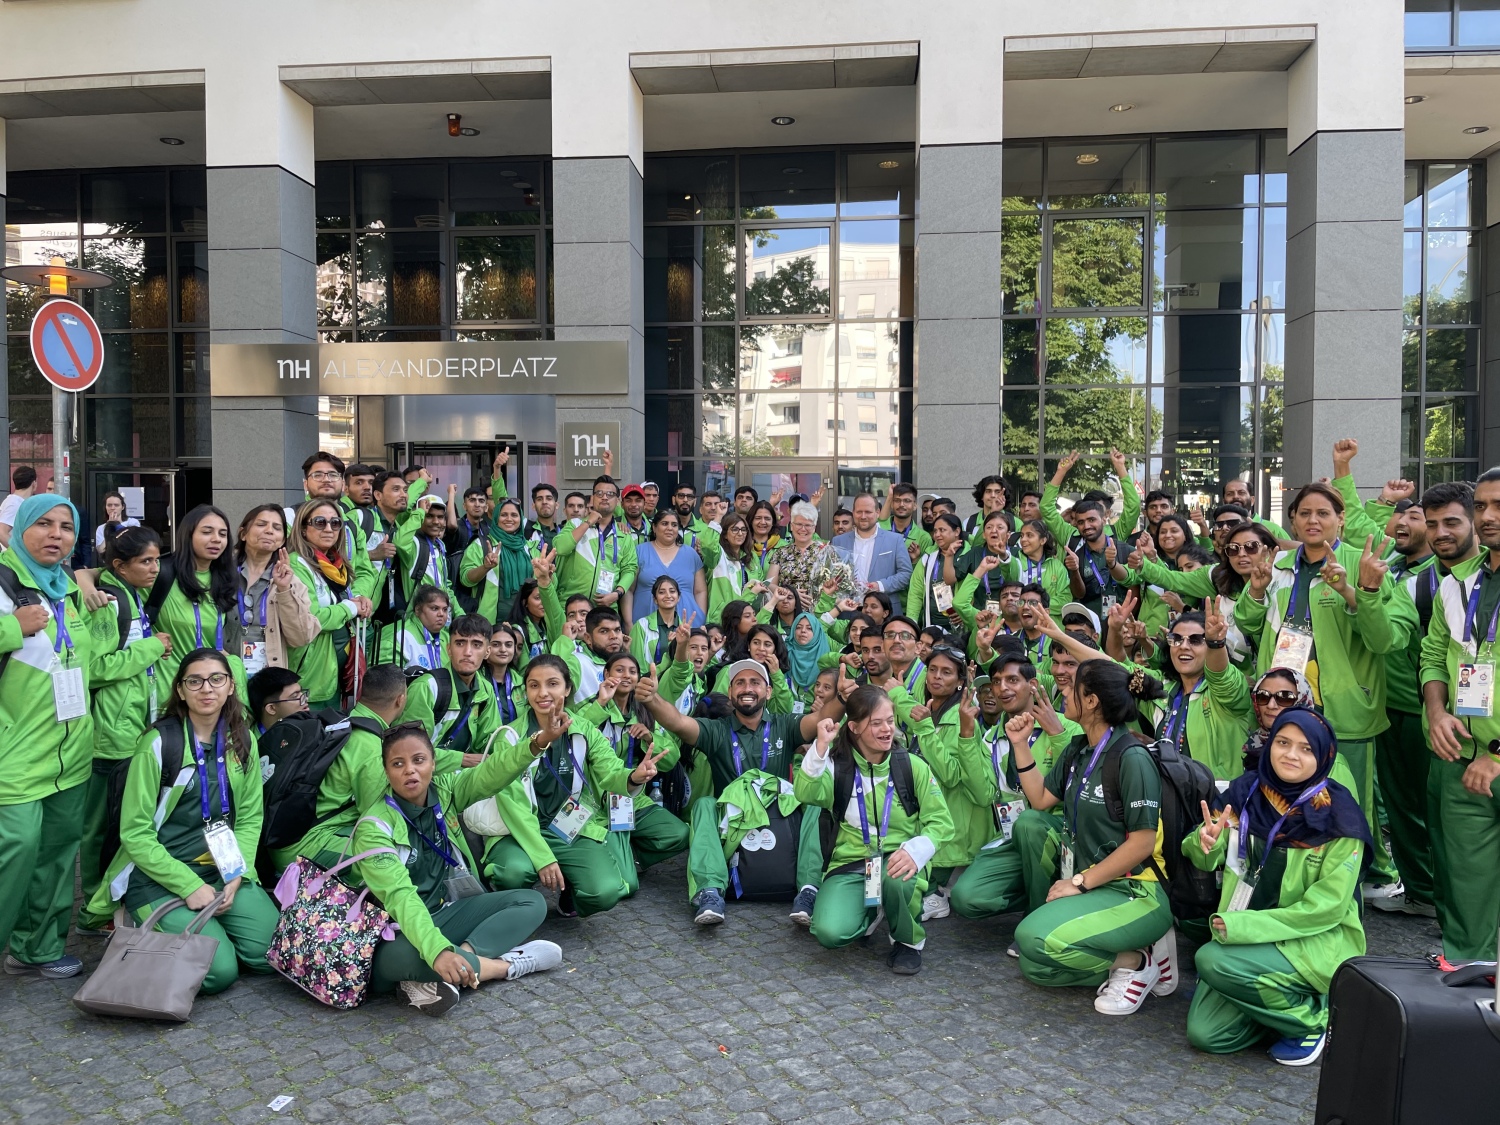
66 345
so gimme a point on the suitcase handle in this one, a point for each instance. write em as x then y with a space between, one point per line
1487 1013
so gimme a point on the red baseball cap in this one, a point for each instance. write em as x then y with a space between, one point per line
632 490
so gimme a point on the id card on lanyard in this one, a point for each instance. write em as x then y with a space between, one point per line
460 883
1239 848
574 814
1474 694
253 653
1008 804
140 629
69 697
222 843
604 576
1066 851
765 749
875 856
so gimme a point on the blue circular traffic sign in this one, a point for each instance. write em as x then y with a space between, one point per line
66 345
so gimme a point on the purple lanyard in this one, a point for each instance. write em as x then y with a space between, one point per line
1084 784
1088 553
245 617
1033 570
434 650
1177 718
502 692
64 638
765 750
1472 613
557 777
1291 606
140 608
443 851
203 794
1307 795
198 628
884 828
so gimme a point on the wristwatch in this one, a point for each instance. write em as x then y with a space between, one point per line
1215 644
1078 882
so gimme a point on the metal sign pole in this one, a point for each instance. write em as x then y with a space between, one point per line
59 441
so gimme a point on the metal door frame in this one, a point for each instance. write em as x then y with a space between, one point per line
826 467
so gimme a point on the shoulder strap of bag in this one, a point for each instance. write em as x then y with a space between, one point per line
901 778
165 579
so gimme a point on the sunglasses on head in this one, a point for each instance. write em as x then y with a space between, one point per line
1251 548
1284 697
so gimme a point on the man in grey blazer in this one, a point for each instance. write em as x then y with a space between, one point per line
879 557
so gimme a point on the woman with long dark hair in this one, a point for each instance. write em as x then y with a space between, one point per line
275 613
732 568
318 562
195 598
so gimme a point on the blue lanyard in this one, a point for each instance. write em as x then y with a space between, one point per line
140 608
198 628
64 638
1307 795
245 617
884 828
1082 785
1041 646
661 637
434 569
445 850
911 676
765 749
1472 612
502 695
1088 553
203 794
557 777
434 650
1291 606
1033 570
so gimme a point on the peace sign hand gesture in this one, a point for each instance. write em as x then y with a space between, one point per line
968 713
551 725
1215 627
1214 825
543 565
647 769
1260 575
281 571
1372 565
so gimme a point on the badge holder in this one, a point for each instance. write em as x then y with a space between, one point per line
606 583
621 813
253 656
994 607
462 884
1065 862
1474 696
224 847
68 694
942 596
1240 900
570 820
1293 649
1006 813
873 869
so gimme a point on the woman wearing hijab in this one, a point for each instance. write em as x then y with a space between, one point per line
806 645
1272 694
500 564
1288 917
47 644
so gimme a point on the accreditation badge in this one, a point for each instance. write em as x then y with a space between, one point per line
1065 862
1293 649
942 596
225 849
621 813
253 656
462 884
1474 695
1005 816
606 582
873 868
69 698
570 820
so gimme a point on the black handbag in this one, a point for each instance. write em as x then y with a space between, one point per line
769 874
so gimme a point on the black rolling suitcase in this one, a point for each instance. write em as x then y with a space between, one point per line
1406 1047
768 873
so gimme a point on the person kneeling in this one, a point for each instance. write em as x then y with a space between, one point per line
452 933
880 845
1289 913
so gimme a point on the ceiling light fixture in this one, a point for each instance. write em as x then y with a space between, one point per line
509 173
1086 158
791 171
469 131
453 124
1122 107
1415 99
888 164
174 141
783 121
1474 130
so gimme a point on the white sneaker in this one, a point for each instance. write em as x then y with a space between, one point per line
936 905
1403 904
431 998
1126 989
533 957
1373 892
1164 955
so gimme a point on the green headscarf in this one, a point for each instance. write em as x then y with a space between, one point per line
803 658
515 559
50 580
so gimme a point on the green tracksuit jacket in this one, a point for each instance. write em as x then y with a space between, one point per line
1219 718
122 689
947 754
1130 512
448 733
584 564
1444 647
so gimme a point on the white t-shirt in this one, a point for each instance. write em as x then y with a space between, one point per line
8 508
128 521
864 554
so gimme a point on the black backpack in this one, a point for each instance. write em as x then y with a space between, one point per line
172 746
1185 785
295 755
843 791
21 594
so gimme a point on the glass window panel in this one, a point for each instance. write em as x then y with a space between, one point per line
687 425
400 336
689 188
1411 276
1205 421
1096 350
786 271
1429 23
1411 361
139 296
1411 430
192 282
1451 425
1094 419
400 279
870 355
495 277
780 357
124 202
788 424
1273 284
1448 201
195 427
1020 261
1273 347
872 427
192 363
25 379
1273 186
335 280
23 301
1205 259
332 195
1098 262
1018 356
31 437
41 205
689 273
1208 171
687 358
1097 174
878 255
1452 276
1452 359
786 185
499 335
400 195
1478 23
1446 472
1272 418
496 194
1021 177
128 429
1203 349
189 192
1411 212
880 183
134 364
1192 477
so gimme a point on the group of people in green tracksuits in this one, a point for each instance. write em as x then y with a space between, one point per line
932 715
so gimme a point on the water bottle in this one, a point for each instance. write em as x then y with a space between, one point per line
654 791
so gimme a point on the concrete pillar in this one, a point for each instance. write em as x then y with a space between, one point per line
4 359
1489 386
597 208
261 257
958 269
1343 318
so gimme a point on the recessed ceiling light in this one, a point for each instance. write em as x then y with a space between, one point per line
1122 107
522 184
783 121
890 163
509 173
468 131
791 171
1086 158
1415 99
1475 129
172 141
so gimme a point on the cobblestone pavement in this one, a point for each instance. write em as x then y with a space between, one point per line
630 1030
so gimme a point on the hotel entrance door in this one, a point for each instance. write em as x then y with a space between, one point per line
468 464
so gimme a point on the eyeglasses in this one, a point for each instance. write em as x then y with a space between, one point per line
326 474
326 523
296 696
900 636
1251 548
213 680
1177 640
606 493
1283 697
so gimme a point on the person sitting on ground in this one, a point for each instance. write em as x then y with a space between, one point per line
274 694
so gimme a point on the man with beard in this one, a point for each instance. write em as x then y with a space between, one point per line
749 741
594 556
1460 646
455 704
602 637
633 507
900 516
323 479
745 498
653 497
684 499
423 557
544 504
359 497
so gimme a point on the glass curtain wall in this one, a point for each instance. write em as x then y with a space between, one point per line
1144 295
1445 24
146 228
1440 350
778 311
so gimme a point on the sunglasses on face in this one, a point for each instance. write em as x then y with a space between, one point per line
326 523
1285 698
1251 548
1177 640
1223 524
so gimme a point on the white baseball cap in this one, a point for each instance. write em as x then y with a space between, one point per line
1082 611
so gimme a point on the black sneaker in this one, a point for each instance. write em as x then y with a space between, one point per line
431 998
709 907
565 907
905 960
802 906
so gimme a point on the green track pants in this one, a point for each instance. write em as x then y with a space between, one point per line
91 871
1468 904
1401 767
1073 940
1359 756
243 931
708 866
658 835
493 924
1013 876
841 916
590 867
38 843
1246 992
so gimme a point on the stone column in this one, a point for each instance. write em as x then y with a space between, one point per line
4 359
1489 387
597 207
1343 317
262 259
